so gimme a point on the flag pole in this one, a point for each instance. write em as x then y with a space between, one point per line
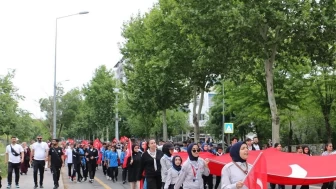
253 165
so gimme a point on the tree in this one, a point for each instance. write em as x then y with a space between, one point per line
154 76
70 106
176 121
100 97
245 98
268 31
8 104
47 106
321 49
201 23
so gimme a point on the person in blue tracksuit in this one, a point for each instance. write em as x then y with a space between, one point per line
113 164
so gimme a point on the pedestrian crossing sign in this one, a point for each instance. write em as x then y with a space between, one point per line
228 127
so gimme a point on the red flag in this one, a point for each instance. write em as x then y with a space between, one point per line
142 180
122 139
128 153
141 184
71 141
257 176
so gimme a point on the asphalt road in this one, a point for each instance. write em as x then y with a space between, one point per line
100 182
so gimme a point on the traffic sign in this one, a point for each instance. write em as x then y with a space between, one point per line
228 127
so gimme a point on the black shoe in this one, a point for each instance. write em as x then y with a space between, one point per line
124 182
116 179
41 186
85 179
35 186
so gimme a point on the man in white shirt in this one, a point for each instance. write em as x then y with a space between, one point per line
68 154
14 156
39 155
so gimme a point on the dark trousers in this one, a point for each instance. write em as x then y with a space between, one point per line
113 172
92 169
328 185
171 186
154 182
208 180
218 180
280 186
69 169
16 167
76 169
104 168
85 170
124 174
302 187
56 174
39 167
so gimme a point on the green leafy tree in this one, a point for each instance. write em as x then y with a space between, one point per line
245 98
8 104
321 49
154 77
47 106
207 47
70 106
100 97
176 121
267 31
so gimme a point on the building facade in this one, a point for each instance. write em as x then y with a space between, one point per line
119 72
207 104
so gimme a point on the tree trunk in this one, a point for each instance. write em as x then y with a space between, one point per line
290 136
271 97
195 122
50 128
199 113
107 134
326 116
102 135
60 130
164 121
197 117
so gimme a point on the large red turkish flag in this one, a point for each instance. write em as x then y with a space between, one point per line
257 176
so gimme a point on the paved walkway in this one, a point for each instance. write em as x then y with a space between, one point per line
100 182
27 181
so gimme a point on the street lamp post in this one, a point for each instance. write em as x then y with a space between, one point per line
223 116
55 84
116 90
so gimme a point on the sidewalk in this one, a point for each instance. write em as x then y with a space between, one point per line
27 181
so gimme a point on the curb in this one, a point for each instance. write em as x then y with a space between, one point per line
65 186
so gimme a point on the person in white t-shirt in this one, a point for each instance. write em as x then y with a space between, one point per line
39 155
14 156
68 154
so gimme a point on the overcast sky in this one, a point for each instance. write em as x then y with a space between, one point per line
27 42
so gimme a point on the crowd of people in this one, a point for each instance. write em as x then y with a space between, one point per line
148 166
